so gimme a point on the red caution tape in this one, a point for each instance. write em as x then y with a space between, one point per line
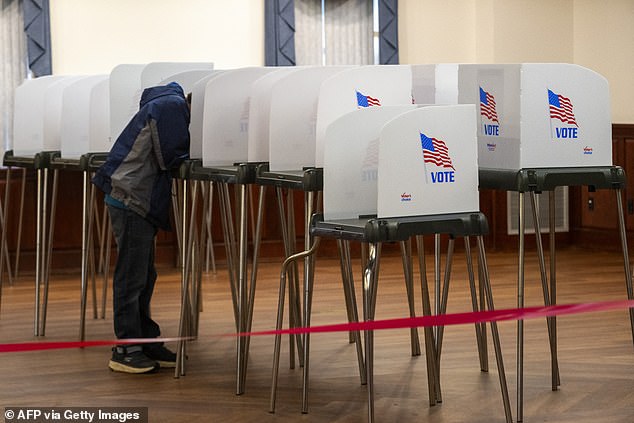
409 322
456 318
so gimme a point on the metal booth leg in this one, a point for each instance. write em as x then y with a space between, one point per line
520 304
40 242
433 383
84 255
288 238
18 242
494 329
182 328
542 267
351 302
626 262
242 284
369 295
406 254
480 329
309 277
443 303
280 318
4 249
257 237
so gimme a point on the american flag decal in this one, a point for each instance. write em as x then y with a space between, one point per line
487 106
561 108
435 151
366 100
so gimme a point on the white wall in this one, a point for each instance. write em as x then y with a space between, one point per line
604 41
596 34
93 36
485 31
436 31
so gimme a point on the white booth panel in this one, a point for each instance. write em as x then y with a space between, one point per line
351 156
187 79
424 84
566 118
446 82
155 72
125 89
428 162
197 112
355 88
226 116
28 116
539 115
260 112
293 117
75 117
128 81
53 99
99 135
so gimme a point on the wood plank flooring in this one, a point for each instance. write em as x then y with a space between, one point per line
596 353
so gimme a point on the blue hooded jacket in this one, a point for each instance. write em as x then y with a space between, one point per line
156 140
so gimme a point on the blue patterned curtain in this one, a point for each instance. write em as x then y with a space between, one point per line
279 37
37 27
388 32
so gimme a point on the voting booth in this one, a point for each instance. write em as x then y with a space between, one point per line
536 115
542 127
351 161
85 117
260 113
29 115
197 114
365 86
225 125
425 157
226 116
293 117
440 175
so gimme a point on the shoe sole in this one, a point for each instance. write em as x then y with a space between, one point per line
120 367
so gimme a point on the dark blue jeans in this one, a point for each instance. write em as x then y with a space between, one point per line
134 275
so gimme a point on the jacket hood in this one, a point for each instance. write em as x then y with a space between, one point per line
153 93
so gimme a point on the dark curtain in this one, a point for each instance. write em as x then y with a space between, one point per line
279 37
37 27
388 32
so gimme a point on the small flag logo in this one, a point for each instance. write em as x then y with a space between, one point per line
487 106
435 151
561 108
366 100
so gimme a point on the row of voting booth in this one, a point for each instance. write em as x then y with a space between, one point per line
397 152
525 110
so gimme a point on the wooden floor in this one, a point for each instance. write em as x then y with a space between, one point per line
596 353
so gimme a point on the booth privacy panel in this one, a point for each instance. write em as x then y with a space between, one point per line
428 162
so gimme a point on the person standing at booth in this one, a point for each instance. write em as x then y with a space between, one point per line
136 180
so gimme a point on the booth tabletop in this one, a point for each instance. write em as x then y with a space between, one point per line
87 162
392 229
308 179
547 179
239 173
41 160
